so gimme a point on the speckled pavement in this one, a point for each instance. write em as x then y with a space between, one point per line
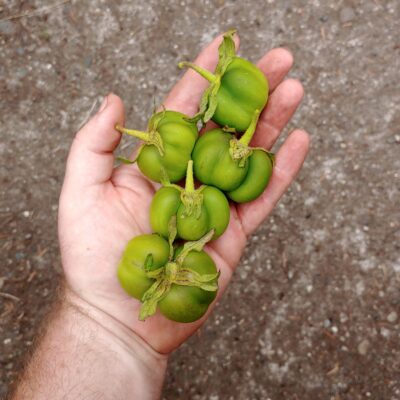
313 311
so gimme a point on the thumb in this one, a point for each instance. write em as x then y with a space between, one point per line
91 159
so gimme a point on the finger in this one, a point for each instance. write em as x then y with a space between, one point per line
276 64
289 160
282 105
234 234
186 94
91 157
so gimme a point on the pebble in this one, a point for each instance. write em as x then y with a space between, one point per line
343 318
87 61
347 14
7 28
19 255
21 73
385 332
392 317
363 347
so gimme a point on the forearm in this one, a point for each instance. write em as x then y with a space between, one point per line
86 354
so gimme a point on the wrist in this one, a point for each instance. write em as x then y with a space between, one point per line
137 359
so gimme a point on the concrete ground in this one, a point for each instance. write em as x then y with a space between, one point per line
313 311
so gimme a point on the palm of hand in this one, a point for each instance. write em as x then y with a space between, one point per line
113 213
102 208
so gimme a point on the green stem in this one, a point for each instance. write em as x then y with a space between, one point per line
152 137
203 72
145 136
247 136
191 198
189 184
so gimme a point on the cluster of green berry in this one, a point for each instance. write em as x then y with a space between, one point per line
179 277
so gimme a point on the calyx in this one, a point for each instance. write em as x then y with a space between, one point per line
208 103
191 198
151 137
173 272
239 148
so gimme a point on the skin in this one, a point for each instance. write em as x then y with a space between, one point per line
214 213
178 137
217 208
101 209
182 303
213 165
130 270
188 304
238 98
164 205
258 174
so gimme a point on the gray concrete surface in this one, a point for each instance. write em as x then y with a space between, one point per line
313 312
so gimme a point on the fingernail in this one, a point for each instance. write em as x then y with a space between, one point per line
103 104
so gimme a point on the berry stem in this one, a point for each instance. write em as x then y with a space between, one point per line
203 72
247 136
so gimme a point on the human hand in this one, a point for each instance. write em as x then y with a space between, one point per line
102 207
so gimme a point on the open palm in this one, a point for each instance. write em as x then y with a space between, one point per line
102 207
